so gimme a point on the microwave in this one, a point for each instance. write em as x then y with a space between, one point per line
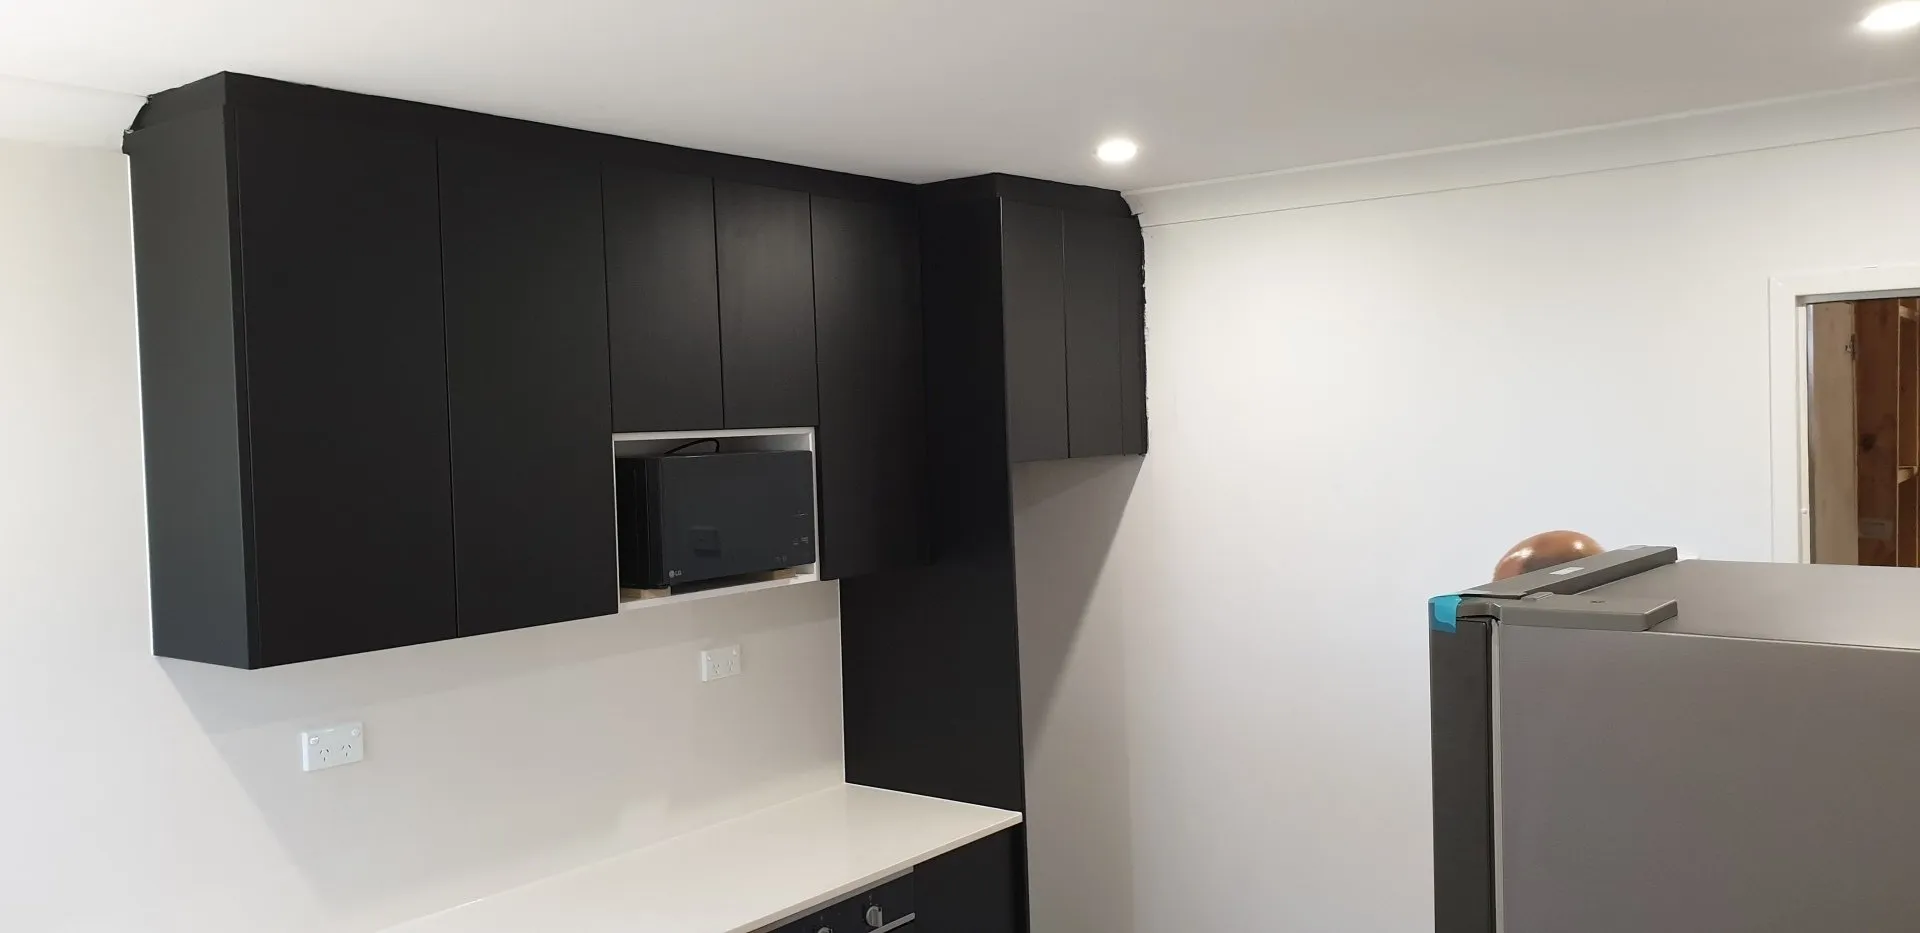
691 518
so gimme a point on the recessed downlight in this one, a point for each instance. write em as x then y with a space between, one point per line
1893 17
1117 151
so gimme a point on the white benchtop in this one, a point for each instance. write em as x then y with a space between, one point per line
738 876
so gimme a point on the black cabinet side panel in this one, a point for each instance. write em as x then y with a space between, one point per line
525 283
1462 690
872 436
764 242
1133 339
663 301
931 654
1094 251
266 93
1032 266
191 391
353 512
977 888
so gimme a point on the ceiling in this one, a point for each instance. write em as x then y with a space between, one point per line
927 89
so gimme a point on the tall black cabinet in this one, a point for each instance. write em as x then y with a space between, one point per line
1033 305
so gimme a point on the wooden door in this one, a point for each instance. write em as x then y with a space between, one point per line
1907 496
1832 442
1876 394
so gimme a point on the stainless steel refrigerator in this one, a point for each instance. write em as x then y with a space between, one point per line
1630 744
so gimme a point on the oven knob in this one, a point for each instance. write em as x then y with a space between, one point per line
876 917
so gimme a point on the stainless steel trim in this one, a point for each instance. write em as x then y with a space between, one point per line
897 924
1493 678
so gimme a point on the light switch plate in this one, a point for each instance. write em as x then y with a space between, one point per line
716 663
333 746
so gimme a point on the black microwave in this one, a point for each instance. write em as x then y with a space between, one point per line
690 518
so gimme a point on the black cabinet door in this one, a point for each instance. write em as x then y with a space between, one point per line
872 435
978 888
1032 277
663 301
766 306
346 394
526 307
1093 262
1133 339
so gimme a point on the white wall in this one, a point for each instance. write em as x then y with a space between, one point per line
155 795
1364 385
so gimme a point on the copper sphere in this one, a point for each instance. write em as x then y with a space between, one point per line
1545 549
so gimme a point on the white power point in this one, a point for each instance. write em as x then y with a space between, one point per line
716 663
333 746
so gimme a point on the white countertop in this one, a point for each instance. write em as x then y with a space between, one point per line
738 876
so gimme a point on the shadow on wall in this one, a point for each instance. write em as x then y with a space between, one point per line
1073 672
519 754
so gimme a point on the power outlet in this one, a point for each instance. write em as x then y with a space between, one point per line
333 746
716 663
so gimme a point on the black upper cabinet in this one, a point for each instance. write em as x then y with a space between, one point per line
1073 318
346 387
294 387
1034 282
384 346
663 301
1092 260
872 434
764 243
1133 339
526 310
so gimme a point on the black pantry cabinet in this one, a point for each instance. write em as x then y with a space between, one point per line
1033 311
385 345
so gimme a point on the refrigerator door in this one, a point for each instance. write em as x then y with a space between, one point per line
1651 782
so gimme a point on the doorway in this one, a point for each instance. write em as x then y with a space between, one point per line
1863 431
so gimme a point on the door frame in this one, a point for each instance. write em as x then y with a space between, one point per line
1789 294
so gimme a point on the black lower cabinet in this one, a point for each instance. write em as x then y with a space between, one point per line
979 888
527 373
